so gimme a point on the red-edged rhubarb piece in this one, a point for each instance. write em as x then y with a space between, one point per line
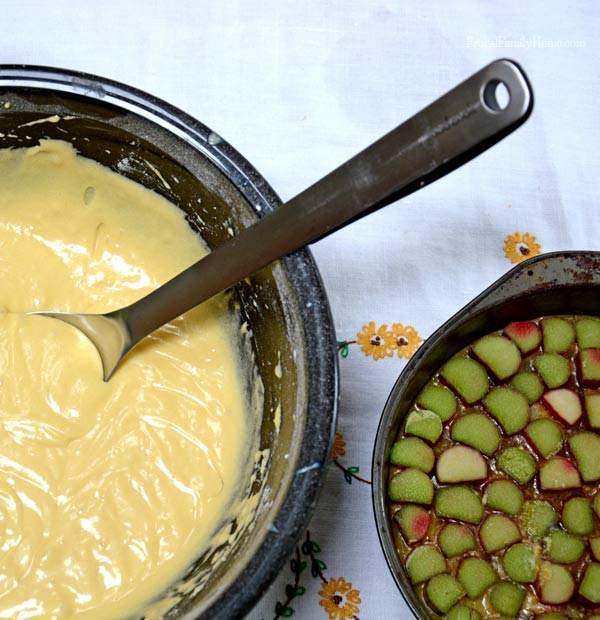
564 404
413 521
558 474
525 334
589 367
460 464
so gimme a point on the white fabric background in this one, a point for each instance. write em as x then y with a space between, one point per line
298 87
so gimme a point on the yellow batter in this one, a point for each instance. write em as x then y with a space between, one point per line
107 491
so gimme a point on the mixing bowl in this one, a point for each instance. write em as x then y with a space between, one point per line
284 307
554 283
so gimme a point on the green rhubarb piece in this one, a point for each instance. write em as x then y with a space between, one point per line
520 563
412 452
439 399
529 384
477 431
499 354
592 408
462 612
558 474
459 502
497 532
425 424
545 436
467 377
585 446
460 464
564 548
507 598
590 585
509 407
525 334
423 563
595 547
455 539
476 576
411 485
558 334
555 584
517 463
589 363
554 369
577 516
538 517
413 522
588 332
597 504
444 591
504 495
552 617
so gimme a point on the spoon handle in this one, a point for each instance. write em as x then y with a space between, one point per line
446 134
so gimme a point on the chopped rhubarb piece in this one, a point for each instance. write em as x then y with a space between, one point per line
589 367
520 563
592 408
459 502
563 404
559 334
467 377
529 384
423 563
564 548
476 576
439 399
455 539
545 436
538 517
588 332
424 424
499 354
509 407
504 495
558 474
590 585
577 516
462 612
551 617
507 598
460 464
411 485
412 452
597 504
497 532
595 547
413 522
586 448
525 334
555 584
444 591
554 369
517 463
478 431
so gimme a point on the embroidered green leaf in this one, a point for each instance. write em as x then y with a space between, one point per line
353 469
315 547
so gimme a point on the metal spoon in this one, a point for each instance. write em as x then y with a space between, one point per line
452 130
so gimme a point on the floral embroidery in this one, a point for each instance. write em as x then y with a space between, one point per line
340 600
375 342
339 446
406 339
518 247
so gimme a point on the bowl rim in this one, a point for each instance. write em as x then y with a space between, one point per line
546 272
274 542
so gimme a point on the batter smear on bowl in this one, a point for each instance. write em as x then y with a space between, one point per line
495 475
107 490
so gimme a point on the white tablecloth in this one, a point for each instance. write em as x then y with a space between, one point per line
298 87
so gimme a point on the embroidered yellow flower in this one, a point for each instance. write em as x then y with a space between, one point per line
339 446
375 342
406 339
518 247
340 600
